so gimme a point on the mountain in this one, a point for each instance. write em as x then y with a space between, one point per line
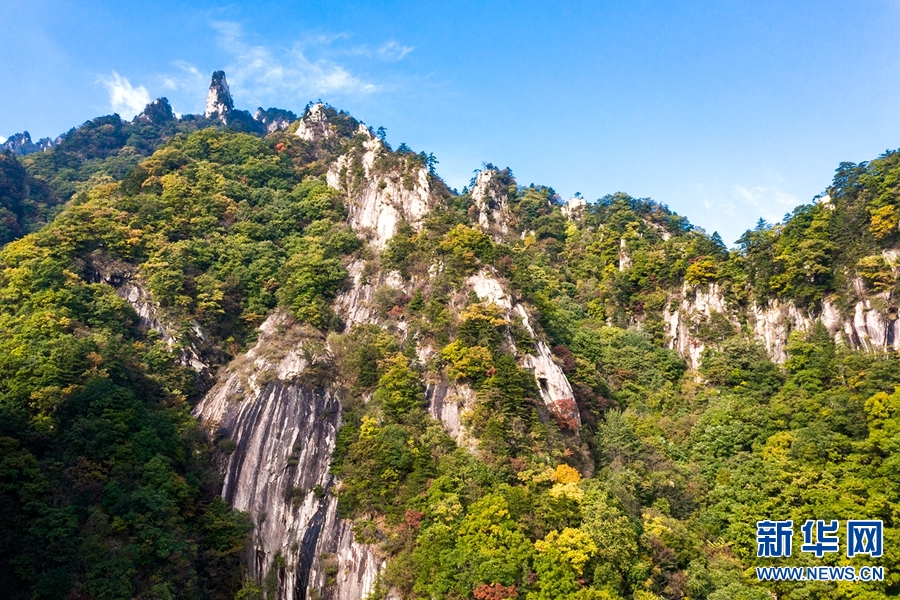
106 148
20 144
289 362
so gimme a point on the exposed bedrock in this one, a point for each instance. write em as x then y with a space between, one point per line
869 324
279 434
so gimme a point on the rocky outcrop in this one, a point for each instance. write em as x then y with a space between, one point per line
773 323
98 268
873 328
314 126
357 304
489 197
575 208
220 107
274 119
624 256
869 325
555 389
20 144
156 113
697 307
148 311
378 202
448 404
280 429
218 101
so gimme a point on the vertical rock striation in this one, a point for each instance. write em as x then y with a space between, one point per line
868 324
283 429
698 305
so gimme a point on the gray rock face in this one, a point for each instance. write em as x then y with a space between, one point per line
575 208
148 311
284 431
284 428
20 144
867 326
314 126
696 306
376 202
489 196
218 102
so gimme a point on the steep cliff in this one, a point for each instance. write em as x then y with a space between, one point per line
490 196
555 389
276 409
276 420
379 199
697 317
219 103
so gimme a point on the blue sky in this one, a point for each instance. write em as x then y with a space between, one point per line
725 111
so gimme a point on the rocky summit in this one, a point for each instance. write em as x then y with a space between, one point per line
218 102
20 144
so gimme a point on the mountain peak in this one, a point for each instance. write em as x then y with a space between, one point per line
274 119
314 124
218 101
20 144
157 112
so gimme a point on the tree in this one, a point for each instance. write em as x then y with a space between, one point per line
559 563
399 390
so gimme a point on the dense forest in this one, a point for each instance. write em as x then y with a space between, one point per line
649 485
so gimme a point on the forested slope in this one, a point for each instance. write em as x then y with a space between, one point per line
535 399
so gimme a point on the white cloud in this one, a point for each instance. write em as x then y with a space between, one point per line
393 51
125 98
390 51
259 73
189 78
2 139
768 201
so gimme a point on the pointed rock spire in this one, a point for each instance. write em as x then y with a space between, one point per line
218 102
490 197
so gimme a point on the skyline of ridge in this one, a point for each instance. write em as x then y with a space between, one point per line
723 113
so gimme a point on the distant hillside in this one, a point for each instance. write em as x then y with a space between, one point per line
106 148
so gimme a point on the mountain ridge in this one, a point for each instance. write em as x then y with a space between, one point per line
296 364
